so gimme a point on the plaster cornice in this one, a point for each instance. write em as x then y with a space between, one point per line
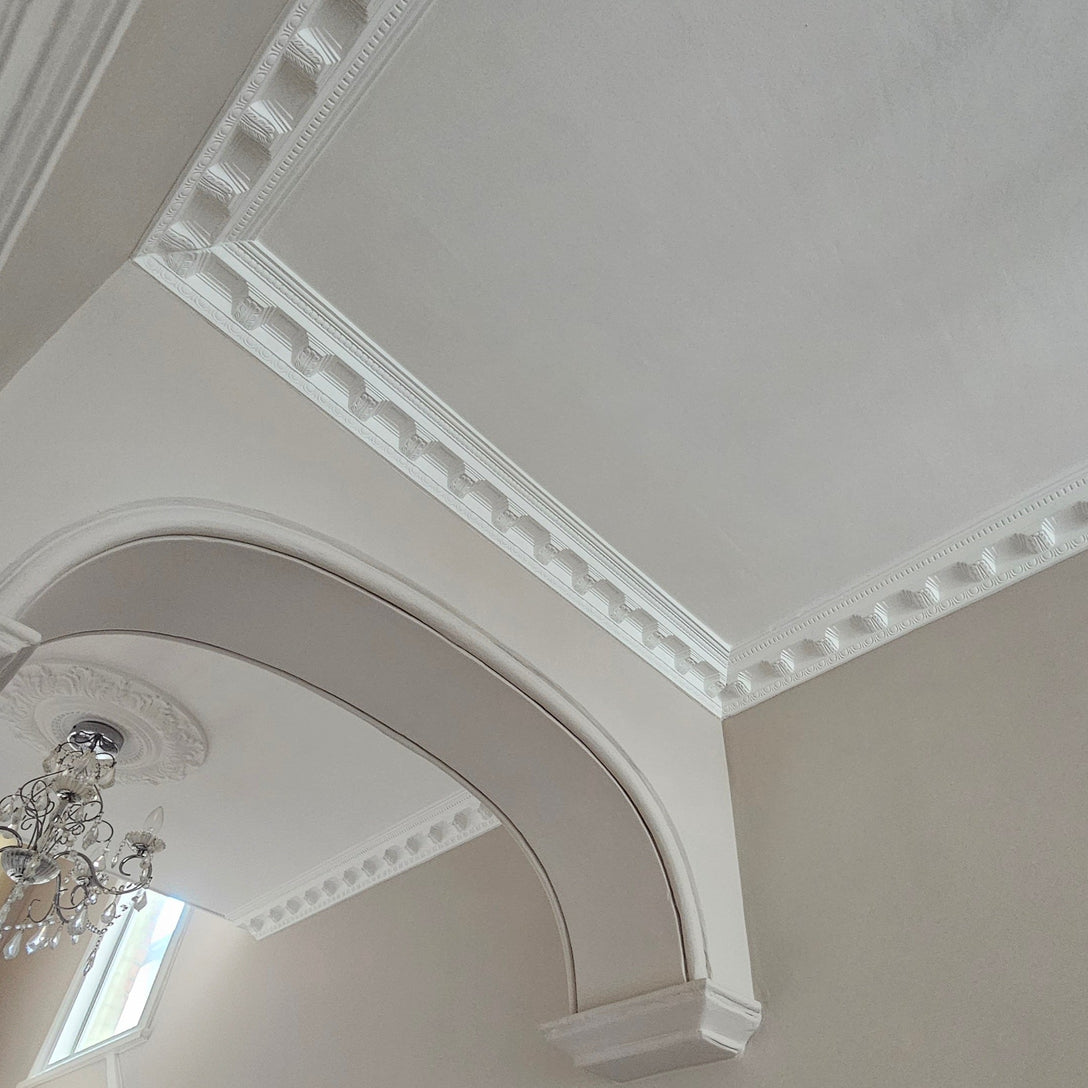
1008 545
317 61
674 1028
420 837
326 52
250 295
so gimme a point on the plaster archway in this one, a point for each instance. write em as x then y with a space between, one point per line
274 593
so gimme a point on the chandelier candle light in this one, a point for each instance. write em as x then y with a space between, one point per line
63 847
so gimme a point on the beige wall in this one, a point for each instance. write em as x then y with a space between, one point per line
914 852
436 978
31 989
913 830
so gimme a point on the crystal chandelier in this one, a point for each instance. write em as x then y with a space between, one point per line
62 847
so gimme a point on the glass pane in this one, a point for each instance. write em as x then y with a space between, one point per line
112 997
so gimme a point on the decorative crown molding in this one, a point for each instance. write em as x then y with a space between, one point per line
326 52
675 1028
422 836
250 295
1036 532
318 60
52 55
162 740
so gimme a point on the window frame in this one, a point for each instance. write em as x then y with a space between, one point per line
41 1072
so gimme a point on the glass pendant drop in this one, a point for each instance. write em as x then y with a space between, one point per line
11 949
79 923
37 940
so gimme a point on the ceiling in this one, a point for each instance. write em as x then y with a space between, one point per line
770 296
291 779
761 328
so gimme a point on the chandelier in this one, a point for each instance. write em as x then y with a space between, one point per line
68 876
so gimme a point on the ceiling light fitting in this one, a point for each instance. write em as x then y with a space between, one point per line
63 846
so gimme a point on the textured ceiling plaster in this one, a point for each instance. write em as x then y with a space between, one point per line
770 297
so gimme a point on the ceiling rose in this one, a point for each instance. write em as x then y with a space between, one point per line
42 703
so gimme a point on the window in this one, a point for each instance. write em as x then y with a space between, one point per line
110 1007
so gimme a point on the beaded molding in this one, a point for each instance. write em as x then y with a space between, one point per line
247 294
425 835
315 64
1042 529
317 61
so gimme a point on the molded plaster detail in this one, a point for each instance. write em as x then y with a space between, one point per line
244 291
316 65
336 366
1044 528
422 836
675 1028
319 58
162 739
17 643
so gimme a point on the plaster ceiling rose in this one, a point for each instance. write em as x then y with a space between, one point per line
44 701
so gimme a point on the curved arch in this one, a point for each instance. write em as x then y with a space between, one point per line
283 597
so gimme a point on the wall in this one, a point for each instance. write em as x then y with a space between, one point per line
913 831
31 990
438 977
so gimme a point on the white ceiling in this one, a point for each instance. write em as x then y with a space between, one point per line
291 778
771 296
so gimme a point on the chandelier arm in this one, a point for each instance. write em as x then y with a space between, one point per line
46 817
140 882
14 833
51 903
79 860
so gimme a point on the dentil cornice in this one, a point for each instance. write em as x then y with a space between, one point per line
422 836
314 66
317 61
246 292
1010 544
